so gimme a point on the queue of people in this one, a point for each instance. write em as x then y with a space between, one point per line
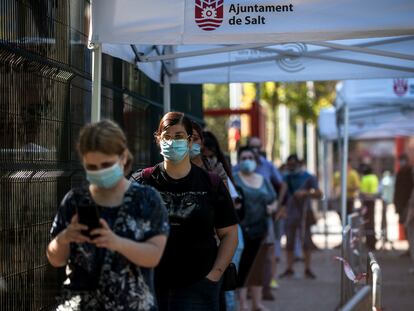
162 238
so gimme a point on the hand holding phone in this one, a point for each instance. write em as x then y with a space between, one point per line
88 215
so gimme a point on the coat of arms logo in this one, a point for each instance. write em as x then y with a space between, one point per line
209 14
400 86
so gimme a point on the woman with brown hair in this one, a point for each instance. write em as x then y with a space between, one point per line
259 202
108 265
211 163
188 276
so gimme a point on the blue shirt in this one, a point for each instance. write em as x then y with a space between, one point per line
298 181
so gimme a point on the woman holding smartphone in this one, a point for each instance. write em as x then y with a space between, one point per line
110 269
199 208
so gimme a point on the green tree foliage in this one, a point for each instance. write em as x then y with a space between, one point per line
303 104
216 96
295 95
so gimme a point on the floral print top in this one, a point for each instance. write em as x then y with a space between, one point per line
100 279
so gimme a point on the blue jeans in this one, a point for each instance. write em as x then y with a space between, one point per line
202 295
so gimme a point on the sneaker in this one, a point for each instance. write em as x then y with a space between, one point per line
309 274
274 284
287 273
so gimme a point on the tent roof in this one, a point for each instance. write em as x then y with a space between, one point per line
378 108
251 21
272 41
335 60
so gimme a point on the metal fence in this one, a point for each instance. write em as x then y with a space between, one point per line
361 301
45 99
374 279
354 252
369 297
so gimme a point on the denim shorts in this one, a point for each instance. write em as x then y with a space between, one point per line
202 295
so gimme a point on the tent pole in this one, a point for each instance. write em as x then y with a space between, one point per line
325 187
364 50
344 172
225 49
282 54
96 82
167 93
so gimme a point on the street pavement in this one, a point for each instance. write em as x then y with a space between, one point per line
323 293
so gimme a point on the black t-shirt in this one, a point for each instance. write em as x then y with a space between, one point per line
195 208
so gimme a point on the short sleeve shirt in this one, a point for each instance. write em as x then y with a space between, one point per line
195 210
369 184
255 205
298 181
145 217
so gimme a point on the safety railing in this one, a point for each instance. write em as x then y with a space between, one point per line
374 279
361 301
357 249
347 286
369 297
353 252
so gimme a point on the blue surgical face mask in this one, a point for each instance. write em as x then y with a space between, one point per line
248 166
107 177
174 150
195 150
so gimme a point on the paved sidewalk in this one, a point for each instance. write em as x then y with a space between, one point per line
398 284
300 294
322 294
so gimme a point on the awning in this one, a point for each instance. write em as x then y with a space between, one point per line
334 60
175 22
379 108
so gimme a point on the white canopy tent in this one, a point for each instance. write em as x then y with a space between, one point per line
177 22
335 60
379 108
308 31
249 30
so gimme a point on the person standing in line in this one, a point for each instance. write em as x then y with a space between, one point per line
387 194
271 174
369 193
213 160
207 158
302 187
259 200
188 276
403 186
352 188
111 267
409 216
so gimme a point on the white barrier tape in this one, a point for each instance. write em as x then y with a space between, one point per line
349 272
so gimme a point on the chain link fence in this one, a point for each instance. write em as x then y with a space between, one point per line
45 80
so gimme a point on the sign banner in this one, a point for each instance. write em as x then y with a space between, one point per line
247 21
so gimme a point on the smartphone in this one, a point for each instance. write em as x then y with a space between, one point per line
88 215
